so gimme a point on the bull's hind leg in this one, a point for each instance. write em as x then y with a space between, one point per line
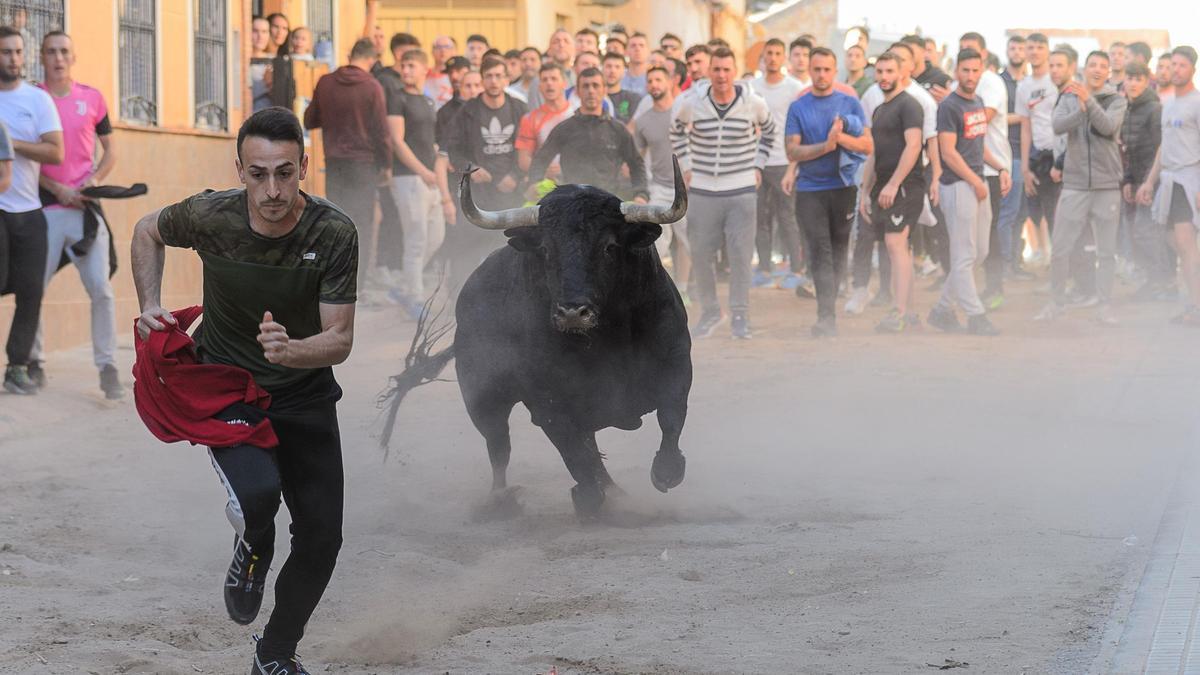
490 415
582 461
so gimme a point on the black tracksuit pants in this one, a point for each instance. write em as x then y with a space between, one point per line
306 470
22 273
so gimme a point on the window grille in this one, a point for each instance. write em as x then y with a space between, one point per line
34 18
320 23
209 64
138 57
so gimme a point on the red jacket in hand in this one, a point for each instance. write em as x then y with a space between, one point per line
177 396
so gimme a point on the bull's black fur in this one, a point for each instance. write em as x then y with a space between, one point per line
634 360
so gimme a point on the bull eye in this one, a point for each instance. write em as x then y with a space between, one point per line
611 250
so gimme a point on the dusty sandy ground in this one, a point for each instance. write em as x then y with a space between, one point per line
871 504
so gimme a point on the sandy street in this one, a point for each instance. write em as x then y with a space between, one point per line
872 504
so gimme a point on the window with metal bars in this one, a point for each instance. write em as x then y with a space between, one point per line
138 59
209 62
34 18
320 23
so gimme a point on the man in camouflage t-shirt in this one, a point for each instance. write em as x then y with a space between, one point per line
280 272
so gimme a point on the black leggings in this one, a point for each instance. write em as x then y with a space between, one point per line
23 273
306 469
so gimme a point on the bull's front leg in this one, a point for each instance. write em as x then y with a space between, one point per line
669 464
578 456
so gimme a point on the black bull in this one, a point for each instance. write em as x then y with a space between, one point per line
577 319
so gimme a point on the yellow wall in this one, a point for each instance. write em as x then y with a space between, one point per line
174 159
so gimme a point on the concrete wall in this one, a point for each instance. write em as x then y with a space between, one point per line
817 17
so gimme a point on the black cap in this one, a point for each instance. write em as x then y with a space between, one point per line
456 62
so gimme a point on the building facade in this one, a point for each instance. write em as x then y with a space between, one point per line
173 73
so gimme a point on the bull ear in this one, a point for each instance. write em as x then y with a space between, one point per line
640 235
524 239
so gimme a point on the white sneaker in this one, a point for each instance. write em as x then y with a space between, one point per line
1050 312
1104 315
858 301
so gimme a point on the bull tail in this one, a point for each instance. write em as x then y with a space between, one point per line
422 365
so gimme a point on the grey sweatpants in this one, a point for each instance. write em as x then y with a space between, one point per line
717 220
423 226
1078 210
969 224
64 228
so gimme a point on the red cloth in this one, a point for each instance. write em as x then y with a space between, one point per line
176 396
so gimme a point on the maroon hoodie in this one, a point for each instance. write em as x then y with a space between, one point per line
348 106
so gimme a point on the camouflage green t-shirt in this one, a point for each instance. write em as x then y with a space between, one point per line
247 274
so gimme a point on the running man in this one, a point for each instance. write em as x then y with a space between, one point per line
84 118
280 272
893 181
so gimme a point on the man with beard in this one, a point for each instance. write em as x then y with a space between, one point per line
828 139
869 235
1162 78
892 180
652 136
592 146
962 128
994 95
1177 172
36 134
1090 114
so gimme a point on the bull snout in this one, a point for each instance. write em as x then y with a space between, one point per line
575 316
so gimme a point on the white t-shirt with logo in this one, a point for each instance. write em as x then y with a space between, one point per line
28 112
1035 100
993 93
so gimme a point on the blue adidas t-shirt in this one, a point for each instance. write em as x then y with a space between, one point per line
811 116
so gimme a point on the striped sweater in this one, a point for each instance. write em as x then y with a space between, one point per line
723 147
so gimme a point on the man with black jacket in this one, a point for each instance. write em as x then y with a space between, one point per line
1141 134
592 145
483 136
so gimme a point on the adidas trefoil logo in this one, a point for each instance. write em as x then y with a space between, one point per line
496 137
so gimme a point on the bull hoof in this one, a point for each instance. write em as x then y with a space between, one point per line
667 470
500 504
587 499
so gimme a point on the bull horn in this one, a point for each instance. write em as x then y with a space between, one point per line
660 215
493 220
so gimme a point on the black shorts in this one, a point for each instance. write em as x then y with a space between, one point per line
1180 211
910 201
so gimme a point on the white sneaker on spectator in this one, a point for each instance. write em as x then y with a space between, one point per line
858 301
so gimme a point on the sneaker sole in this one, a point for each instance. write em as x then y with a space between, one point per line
14 388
